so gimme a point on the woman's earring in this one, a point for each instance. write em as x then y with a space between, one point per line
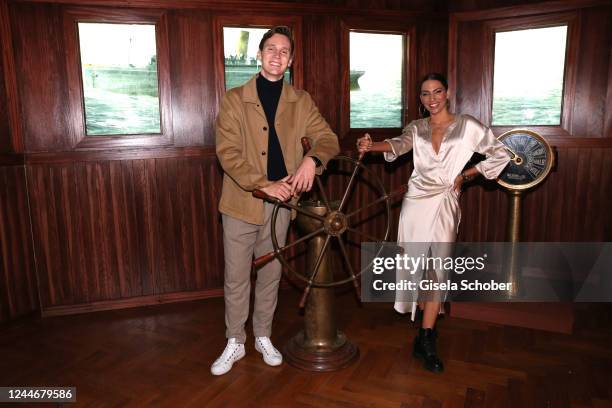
421 110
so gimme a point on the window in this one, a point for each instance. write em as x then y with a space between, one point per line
118 75
240 45
528 76
119 78
376 79
236 41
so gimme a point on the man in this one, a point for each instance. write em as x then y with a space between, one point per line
258 130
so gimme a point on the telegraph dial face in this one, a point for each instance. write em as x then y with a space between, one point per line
532 159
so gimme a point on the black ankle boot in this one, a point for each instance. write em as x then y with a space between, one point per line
425 348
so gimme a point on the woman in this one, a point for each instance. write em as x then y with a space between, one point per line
442 144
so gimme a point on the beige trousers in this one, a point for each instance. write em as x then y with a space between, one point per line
241 241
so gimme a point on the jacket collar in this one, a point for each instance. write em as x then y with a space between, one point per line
249 92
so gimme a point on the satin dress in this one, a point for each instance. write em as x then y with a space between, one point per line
430 209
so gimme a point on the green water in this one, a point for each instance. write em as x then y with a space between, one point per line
121 101
237 75
125 101
545 110
376 109
111 113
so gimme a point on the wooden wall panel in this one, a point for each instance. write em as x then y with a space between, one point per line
5 39
429 5
515 8
571 205
129 227
151 227
470 5
41 60
321 78
18 285
590 104
40 64
186 190
120 229
468 88
112 228
194 105
432 44
5 131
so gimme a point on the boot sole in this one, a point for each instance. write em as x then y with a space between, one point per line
418 356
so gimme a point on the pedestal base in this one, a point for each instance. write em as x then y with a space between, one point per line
299 355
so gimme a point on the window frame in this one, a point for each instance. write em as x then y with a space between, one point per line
76 105
409 110
569 19
256 21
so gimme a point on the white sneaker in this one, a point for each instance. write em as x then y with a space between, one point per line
271 355
233 352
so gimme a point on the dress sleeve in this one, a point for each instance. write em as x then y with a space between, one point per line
401 144
497 157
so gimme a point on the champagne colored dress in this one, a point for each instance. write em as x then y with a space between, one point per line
430 209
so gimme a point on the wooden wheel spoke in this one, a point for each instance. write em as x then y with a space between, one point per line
302 239
363 234
344 253
348 188
365 207
347 261
319 260
399 191
314 272
323 195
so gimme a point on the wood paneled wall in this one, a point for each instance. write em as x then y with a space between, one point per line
123 227
194 106
115 228
18 280
5 62
573 203
586 111
5 131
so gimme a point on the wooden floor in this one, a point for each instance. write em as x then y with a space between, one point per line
160 356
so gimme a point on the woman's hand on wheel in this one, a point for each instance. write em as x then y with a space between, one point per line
364 144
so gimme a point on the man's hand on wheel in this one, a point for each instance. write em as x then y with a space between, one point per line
304 176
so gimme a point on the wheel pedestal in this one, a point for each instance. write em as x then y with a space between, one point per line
320 346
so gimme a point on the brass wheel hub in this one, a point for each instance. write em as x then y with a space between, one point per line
335 223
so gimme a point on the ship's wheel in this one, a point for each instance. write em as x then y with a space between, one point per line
332 220
320 346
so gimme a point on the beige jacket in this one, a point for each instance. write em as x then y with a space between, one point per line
242 144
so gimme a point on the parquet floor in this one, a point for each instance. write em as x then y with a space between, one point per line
160 356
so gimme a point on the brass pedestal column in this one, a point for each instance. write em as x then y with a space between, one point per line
512 269
320 346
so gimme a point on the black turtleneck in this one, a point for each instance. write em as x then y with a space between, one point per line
269 94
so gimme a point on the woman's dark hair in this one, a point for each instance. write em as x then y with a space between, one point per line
284 30
432 76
